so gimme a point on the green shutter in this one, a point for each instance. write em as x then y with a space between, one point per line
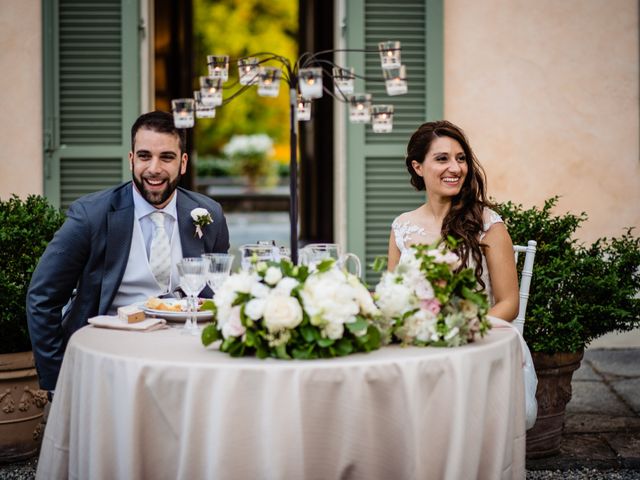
91 94
378 181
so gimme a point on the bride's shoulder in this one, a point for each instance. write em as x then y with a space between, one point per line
406 218
490 217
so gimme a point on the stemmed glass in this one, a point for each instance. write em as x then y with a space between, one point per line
218 269
193 278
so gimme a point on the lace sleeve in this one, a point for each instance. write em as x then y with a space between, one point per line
402 232
490 218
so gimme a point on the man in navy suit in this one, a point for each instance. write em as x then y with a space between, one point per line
102 250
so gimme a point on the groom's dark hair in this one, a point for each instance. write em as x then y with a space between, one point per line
158 121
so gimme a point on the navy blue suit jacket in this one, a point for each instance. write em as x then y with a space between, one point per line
90 253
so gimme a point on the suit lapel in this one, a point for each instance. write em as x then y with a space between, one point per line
118 244
192 246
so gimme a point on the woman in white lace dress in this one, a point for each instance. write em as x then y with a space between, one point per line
441 162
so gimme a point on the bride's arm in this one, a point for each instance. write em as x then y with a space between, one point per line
394 252
502 272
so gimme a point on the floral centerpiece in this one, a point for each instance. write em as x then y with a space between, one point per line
285 311
429 300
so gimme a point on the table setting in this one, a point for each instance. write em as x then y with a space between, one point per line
296 371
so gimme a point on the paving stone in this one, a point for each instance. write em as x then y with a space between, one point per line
595 397
629 389
590 451
615 362
599 423
585 372
627 447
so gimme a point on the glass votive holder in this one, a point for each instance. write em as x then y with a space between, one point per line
303 109
382 118
389 54
310 82
248 70
211 91
360 108
218 66
269 81
396 81
344 80
202 110
183 109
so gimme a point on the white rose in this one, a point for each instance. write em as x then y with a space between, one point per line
254 309
333 331
259 290
329 298
363 297
273 275
394 298
241 282
281 312
233 326
285 286
424 289
196 213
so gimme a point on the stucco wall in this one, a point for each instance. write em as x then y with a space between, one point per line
20 97
547 91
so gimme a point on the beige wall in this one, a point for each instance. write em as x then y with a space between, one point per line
547 91
20 97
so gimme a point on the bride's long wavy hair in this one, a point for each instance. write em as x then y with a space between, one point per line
464 219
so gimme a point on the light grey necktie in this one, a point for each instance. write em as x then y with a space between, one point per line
160 251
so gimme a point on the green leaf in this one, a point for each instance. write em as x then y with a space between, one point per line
325 342
210 334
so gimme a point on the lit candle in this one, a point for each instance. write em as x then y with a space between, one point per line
396 81
304 109
310 82
183 112
343 81
359 108
211 91
389 54
382 118
248 70
269 81
218 66
202 110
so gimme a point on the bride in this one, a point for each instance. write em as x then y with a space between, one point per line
441 162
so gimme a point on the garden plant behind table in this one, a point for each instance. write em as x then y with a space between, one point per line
578 293
26 227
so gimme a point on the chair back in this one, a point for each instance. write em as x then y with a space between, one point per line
525 280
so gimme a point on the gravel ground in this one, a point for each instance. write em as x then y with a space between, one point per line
27 471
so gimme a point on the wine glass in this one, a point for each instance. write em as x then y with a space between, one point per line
193 278
219 268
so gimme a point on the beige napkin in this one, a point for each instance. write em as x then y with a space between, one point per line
146 325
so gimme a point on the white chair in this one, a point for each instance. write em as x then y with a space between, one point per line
525 280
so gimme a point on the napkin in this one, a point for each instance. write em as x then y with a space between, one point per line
146 325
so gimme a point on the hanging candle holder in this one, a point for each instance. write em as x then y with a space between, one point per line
211 91
248 70
360 108
269 81
202 110
218 66
382 118
310 82
344 81
183 109
303 109
389 54
396 81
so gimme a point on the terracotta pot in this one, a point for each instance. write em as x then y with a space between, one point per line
21 407
554 373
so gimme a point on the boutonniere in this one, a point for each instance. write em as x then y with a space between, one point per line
201 217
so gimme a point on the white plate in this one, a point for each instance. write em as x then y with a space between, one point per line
174 316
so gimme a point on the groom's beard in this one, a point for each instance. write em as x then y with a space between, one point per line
156 197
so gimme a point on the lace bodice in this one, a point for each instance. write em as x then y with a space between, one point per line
407 233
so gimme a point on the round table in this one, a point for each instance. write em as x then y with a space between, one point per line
160 405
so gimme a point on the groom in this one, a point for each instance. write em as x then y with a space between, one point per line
120 246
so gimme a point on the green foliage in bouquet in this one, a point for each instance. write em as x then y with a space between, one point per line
578 292
286 311
429 300
26 227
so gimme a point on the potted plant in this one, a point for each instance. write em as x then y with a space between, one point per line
25 229
577 294
249 155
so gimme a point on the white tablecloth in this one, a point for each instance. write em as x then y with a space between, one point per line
159 405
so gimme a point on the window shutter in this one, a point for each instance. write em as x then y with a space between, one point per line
91 94
379 188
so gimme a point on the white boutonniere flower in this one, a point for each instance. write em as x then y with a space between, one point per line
201 217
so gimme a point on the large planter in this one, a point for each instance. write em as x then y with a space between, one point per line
21 407
554 373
